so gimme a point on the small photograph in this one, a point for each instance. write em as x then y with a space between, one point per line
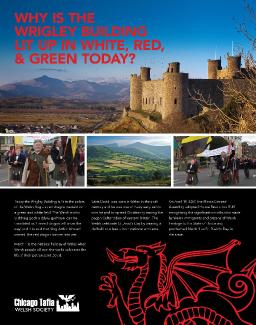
215 161
42 160
129 161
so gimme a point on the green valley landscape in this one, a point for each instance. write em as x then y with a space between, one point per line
136 164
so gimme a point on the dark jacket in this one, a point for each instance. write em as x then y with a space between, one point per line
20 160
55 154
223 164
192 169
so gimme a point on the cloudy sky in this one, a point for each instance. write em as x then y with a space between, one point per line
249 138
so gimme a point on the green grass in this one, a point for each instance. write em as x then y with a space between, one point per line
118 169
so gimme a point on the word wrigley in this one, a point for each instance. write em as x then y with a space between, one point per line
63 31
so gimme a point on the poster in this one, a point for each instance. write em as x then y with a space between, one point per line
128 161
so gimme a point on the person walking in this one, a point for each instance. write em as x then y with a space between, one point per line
37 166
246 165
235 166
223 164
16 162
254 167
192 170
211 165
60 170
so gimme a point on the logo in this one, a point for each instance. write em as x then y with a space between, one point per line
67 303
36 305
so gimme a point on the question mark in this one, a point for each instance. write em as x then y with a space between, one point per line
132 56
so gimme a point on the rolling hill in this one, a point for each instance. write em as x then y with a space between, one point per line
128 165
137 149
145 150
45 86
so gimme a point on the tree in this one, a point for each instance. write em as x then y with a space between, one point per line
239 115
157 175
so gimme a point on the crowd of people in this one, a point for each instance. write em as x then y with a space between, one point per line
42 164
227 165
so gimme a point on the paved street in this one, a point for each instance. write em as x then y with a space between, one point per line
206 180
4 177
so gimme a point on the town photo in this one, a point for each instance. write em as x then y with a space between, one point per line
42 161
128 161
201 81
215 161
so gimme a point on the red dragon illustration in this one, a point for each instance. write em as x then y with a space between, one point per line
177 291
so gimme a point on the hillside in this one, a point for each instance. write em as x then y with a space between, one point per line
98 152
45 86
129 165
136 149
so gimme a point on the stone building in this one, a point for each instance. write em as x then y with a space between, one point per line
249 150
5 143
175 92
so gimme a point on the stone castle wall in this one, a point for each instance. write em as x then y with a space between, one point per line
135 92
175 92
152 96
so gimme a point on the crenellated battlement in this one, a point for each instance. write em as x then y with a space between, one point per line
173 93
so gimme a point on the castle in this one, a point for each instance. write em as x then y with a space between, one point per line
175 92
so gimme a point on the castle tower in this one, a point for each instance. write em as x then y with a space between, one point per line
234 65
145 73
213 67
174 67
175 91
136 88
135 92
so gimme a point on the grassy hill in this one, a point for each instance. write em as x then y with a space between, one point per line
122 166
99 152
144 150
